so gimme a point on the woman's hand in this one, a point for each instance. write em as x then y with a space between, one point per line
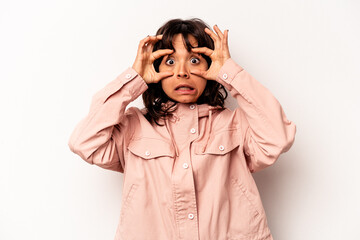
218 56
145 58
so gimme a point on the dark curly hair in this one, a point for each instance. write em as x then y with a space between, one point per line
154 97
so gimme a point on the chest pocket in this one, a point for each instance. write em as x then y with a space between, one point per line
220 143
150 148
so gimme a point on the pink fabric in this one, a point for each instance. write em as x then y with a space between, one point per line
191 178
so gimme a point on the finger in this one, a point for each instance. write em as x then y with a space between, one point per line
218 31
155 38
161 75
143 41
161 52
225 40
152 40
198 72
212 34
147 39
204 50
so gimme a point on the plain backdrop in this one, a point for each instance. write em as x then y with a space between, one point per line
54 55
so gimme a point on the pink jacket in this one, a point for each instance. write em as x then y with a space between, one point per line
191 178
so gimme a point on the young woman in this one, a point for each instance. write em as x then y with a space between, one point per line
187 160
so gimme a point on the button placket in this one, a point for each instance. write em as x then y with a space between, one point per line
187 124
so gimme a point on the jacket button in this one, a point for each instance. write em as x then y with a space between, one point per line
193 130
185 165
221 147
128 76
147 153
191 216
225 76
192 107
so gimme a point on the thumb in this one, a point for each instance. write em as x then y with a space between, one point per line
161 75
199 73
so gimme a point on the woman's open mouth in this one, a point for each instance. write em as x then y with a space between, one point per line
185 89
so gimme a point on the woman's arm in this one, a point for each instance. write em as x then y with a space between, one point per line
99 137
266 130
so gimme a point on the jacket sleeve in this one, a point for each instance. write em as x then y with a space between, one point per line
99 137
266 130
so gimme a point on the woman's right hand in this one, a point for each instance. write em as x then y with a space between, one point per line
145 58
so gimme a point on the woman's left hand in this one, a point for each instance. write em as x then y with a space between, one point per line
218 56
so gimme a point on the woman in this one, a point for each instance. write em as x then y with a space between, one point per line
187 160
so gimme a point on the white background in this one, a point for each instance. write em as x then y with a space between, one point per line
54 55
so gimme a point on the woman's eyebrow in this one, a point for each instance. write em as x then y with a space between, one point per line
190 53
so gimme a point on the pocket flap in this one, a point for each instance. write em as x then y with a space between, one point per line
219 143
149 148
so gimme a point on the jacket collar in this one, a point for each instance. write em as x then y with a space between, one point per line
203 109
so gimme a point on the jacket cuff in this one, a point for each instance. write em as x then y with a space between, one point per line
128 80
228 72
138 85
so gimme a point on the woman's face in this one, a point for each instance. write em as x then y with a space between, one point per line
183 86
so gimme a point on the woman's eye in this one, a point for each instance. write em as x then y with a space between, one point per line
197 60
170 61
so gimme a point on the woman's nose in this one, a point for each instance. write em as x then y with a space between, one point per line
183 71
